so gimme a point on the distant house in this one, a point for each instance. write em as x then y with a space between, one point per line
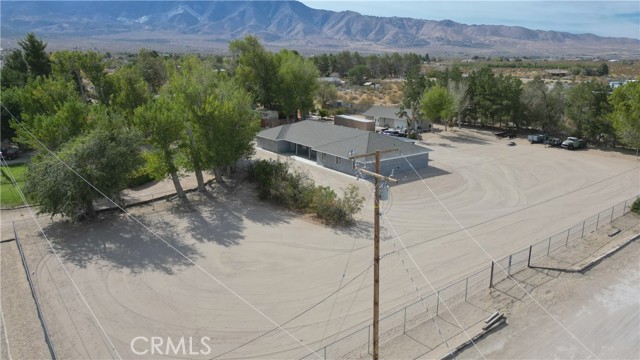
355 122
558 73
332 80
332 146
388 117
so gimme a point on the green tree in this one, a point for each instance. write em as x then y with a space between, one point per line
52 111
35 56
152 68
15 70
165 130
358 74
484 95
437 104
413 89
625 116
459 92
298 81
543 107
256 69
103 158
229 125
87 71
130 90
587 108
326 93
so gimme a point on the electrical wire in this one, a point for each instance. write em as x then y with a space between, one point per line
466 231
55 253
155 234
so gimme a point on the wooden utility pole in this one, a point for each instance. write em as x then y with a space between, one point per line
376 243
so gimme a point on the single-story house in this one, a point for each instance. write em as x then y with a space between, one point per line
388 117
332 146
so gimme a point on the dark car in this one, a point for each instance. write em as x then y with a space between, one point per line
9 154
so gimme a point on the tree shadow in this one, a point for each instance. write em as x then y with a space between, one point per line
465 139
407 176
122 244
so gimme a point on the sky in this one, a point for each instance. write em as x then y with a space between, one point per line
603 18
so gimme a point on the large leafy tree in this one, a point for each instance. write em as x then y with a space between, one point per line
587 109
130 91
164 129
103 158
543 107
437 104
256 69
52 112
326 93
229 125
87 71
152 68
298 81
625 116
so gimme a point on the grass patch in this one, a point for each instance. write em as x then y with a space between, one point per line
9 196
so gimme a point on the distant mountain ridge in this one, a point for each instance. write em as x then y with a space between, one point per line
282 23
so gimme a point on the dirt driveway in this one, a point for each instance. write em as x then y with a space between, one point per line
284 264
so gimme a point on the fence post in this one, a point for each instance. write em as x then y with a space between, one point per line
583 229
153 203
549 246
567 242
612 209
491 276
325 353
369 340
437 302
598 221
404 324
529 260
509 268
466 288
624 211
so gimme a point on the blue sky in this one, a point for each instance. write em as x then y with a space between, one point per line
604 18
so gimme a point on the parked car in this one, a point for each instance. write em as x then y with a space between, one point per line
9 153
574 143
553 142
537 138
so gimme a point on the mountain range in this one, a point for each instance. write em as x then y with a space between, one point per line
208 26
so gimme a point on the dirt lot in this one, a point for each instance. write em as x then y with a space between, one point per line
507 197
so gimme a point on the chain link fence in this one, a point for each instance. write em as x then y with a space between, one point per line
358 343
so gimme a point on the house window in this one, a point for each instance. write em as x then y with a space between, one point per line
338 160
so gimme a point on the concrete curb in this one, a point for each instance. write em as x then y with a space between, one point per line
584 266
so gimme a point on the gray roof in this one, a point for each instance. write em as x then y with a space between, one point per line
385 112
340 140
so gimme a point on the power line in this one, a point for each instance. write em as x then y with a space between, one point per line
466 231
155 234
55 253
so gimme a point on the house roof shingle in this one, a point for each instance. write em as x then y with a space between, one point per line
340 141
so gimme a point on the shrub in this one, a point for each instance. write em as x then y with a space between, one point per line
636 206
294 189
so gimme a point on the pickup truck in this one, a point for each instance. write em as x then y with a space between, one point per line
537 138
511 134
573 143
